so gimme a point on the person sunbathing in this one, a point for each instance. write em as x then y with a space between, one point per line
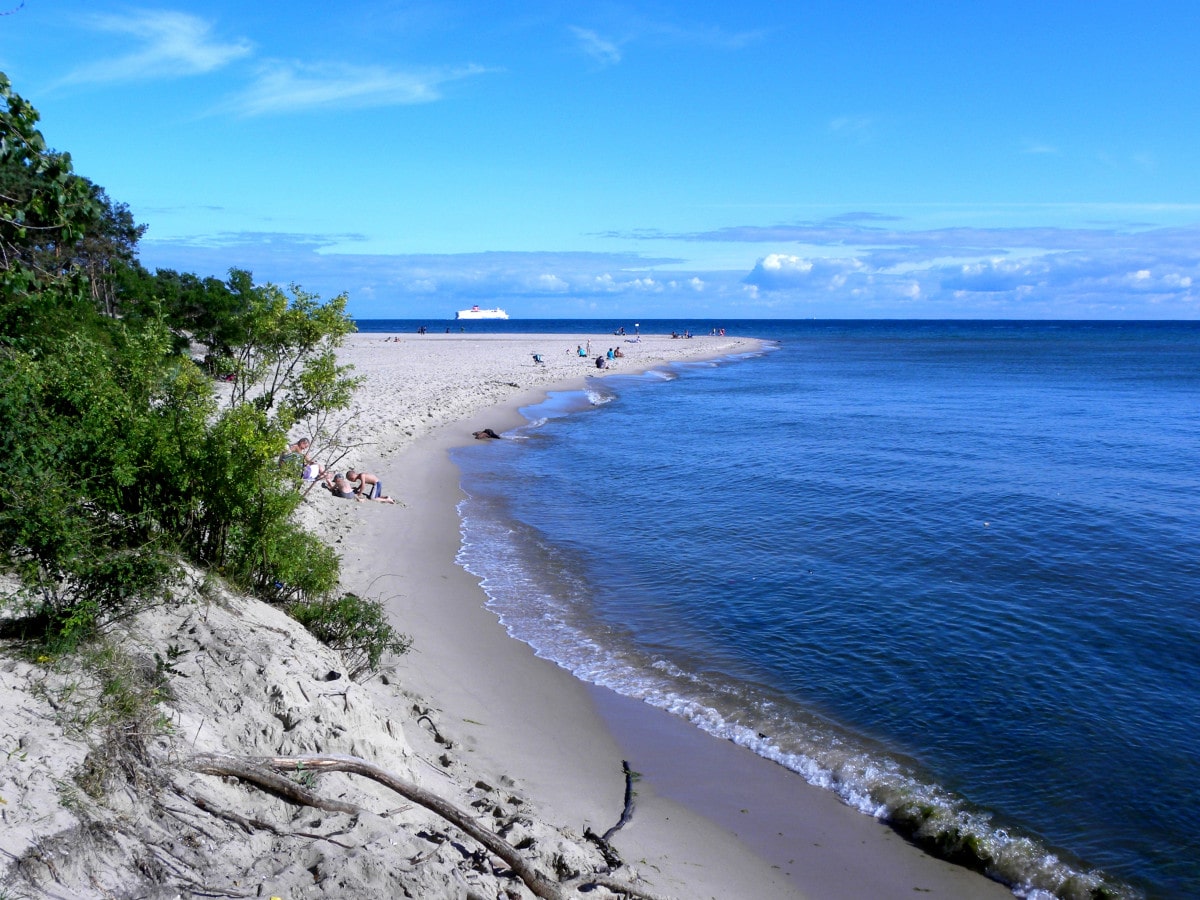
342 488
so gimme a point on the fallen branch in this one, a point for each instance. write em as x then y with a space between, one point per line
262 771
611 856
616 885
256 771
253 770
627 812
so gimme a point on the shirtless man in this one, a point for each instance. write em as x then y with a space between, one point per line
366 485
342 486
295 452
310 468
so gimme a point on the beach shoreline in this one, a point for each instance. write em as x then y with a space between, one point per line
469 713
711 818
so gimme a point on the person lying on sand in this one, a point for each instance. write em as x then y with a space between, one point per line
341 488
486 434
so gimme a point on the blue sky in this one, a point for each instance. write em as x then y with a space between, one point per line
658 160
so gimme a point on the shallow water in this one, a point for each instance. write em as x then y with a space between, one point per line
948 570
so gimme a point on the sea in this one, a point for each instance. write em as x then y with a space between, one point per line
948 570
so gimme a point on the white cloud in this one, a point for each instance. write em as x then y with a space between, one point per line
781 271
781 264
1145 280
600 49
174 44
291 86
551 283
607 284
1085 274
635 28
422 286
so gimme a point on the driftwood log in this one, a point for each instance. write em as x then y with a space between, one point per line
265 772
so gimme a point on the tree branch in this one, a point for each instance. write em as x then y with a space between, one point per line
254 770
627 812
263 772
259 772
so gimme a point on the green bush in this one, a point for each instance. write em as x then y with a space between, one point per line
287 564
355 626
121 459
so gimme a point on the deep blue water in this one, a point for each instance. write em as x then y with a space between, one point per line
949 570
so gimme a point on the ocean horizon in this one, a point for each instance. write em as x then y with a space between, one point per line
946 570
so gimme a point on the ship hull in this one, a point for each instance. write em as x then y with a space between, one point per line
481 314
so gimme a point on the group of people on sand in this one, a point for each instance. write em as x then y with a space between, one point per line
603 359
353 485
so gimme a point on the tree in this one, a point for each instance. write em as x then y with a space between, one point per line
205 310
44 209
43 204
111 243
53 222
285 358
119 457
80 521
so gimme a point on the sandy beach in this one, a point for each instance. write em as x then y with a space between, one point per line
712 819
89 809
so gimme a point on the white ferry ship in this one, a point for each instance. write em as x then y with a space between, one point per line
476 313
